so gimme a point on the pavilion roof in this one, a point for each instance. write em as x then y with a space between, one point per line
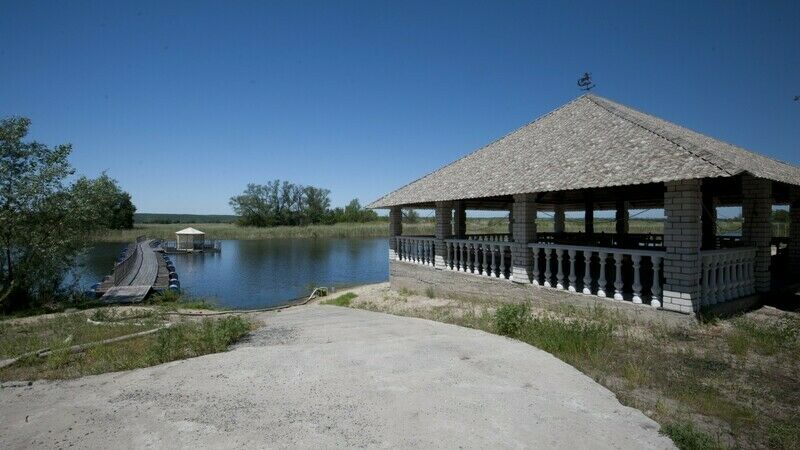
590 142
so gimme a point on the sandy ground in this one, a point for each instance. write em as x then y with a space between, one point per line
324 376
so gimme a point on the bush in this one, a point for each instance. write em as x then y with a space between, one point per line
509 320
686 437
342 300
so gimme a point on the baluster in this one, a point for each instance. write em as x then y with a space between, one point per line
485 258
739 274
601 279
548 274
560 273
637 283
618 275
463 257
535 251
655 289
713 287
724 279
493 269
751 276
587 272
572 278
503 262
447 262
705 296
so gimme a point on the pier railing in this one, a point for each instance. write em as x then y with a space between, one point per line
123 268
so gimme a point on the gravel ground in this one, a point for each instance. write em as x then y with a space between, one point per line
323 376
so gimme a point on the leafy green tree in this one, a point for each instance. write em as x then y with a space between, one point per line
43 226
410 215
113 206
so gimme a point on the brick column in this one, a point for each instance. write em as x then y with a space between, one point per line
395 229
622 217
558 219
757 225
709 221
682 236
794 231
511 223
459 220
524 232
444 230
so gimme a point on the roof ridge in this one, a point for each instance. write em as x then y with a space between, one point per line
538 118
627 118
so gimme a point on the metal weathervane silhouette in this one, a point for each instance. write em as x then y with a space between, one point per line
585 82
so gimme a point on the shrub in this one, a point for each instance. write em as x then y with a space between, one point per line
342 300
509 320
686 437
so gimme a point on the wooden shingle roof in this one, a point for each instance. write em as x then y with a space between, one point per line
590 142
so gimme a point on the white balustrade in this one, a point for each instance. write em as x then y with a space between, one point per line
489 237
485 258
418 250
727 274
631 268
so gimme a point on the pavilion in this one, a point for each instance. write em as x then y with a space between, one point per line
594 154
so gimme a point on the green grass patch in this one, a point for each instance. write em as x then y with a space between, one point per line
565 339
687 437
183 340
342 300
17 338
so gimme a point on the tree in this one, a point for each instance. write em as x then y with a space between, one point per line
113 206
410 215
43 226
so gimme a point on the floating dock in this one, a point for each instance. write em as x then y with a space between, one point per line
142 270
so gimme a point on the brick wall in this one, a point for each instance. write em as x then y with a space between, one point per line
794 231
395 229
459 220
444 230
523 232
682 238
757 225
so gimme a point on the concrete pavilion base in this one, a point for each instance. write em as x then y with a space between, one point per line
459 285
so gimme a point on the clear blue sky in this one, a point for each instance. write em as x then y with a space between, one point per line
186 102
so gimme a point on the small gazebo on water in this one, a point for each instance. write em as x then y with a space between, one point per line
193 240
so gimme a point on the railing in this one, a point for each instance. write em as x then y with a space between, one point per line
491 237
208 244
124 267
628 240
416 249
727 274
624 273
486 258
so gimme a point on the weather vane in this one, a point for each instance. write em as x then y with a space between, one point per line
585 82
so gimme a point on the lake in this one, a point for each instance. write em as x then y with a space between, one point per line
270 272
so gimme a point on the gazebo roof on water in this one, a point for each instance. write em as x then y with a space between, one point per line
588 143
189 232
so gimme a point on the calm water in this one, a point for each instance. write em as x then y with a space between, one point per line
254 274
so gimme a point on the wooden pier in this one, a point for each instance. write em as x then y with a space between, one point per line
140 272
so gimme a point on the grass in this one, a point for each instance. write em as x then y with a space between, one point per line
379 228
342 300
62 331
686 437
727 383
183 339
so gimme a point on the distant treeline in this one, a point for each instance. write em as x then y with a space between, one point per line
183 218
284 203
